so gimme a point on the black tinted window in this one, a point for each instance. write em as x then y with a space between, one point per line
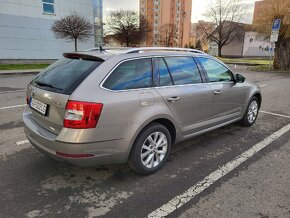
165 79
183 70
216 72
65 75
131 75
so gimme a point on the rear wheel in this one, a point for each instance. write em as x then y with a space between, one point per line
151 149
251 114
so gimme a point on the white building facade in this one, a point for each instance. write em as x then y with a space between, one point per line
253 44
25 28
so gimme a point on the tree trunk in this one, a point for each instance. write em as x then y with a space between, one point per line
76 44
282 55
127 42
220 51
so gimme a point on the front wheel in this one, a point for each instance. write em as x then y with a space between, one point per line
151 149
252 112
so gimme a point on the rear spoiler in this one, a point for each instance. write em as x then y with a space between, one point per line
83 56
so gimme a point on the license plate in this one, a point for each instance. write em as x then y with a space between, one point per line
38 106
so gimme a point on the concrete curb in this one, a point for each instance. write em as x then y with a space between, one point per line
19 72
243 64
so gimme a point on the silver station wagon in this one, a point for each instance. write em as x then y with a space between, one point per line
115 106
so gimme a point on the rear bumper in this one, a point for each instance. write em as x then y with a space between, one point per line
105 152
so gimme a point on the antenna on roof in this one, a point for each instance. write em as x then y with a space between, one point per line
101 46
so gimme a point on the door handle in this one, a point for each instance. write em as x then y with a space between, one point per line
218 92
173 99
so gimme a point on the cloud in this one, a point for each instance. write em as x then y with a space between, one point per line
110 5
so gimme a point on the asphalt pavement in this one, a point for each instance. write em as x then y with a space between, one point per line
230 172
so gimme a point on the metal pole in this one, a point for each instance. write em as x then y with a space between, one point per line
270 63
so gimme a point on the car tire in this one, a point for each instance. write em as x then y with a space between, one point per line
153 145
251 113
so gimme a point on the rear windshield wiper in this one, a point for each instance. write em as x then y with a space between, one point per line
47 85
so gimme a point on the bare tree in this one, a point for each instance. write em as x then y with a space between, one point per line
225 16
277 9
126 26
167 34
73 27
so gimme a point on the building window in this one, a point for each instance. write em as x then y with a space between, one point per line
48 6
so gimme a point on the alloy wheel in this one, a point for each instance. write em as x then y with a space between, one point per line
154 149
252 111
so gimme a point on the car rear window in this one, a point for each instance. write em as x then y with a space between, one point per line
65 75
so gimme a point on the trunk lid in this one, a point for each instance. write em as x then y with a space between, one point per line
52 120
50 90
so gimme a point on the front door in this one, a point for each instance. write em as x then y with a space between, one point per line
229 96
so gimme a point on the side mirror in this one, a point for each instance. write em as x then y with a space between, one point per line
240 78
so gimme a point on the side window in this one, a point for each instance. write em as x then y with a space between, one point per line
165 79
48 6
132 74
183 70
216 72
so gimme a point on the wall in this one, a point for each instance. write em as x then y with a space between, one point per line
256 45
234 49
253 45
25 29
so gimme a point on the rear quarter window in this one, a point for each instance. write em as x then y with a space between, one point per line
132 74
65 75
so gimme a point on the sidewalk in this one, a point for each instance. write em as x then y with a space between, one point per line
16 72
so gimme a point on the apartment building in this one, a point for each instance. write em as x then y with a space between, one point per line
264 8
173 13
261 8
25 27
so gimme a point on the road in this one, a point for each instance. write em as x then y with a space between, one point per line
33 185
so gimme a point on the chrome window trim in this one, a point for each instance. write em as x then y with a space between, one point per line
137 58
195 84
153 87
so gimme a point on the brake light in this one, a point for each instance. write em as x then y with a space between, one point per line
82 115
27 100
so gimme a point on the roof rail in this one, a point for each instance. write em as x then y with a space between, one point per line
138 50
106 48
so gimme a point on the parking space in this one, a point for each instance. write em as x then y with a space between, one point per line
33 185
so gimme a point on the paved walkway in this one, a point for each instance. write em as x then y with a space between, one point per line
11 72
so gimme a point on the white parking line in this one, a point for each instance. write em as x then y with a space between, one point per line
263 85
274 114
15 106
22 142
199 187
20 90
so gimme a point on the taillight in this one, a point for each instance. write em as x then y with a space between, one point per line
27 100
82 115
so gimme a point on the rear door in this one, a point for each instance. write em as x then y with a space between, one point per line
229 96
182 88
49 91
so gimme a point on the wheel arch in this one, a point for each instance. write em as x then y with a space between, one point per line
166 121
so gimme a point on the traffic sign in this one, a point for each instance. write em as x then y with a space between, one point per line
276 25
274 36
